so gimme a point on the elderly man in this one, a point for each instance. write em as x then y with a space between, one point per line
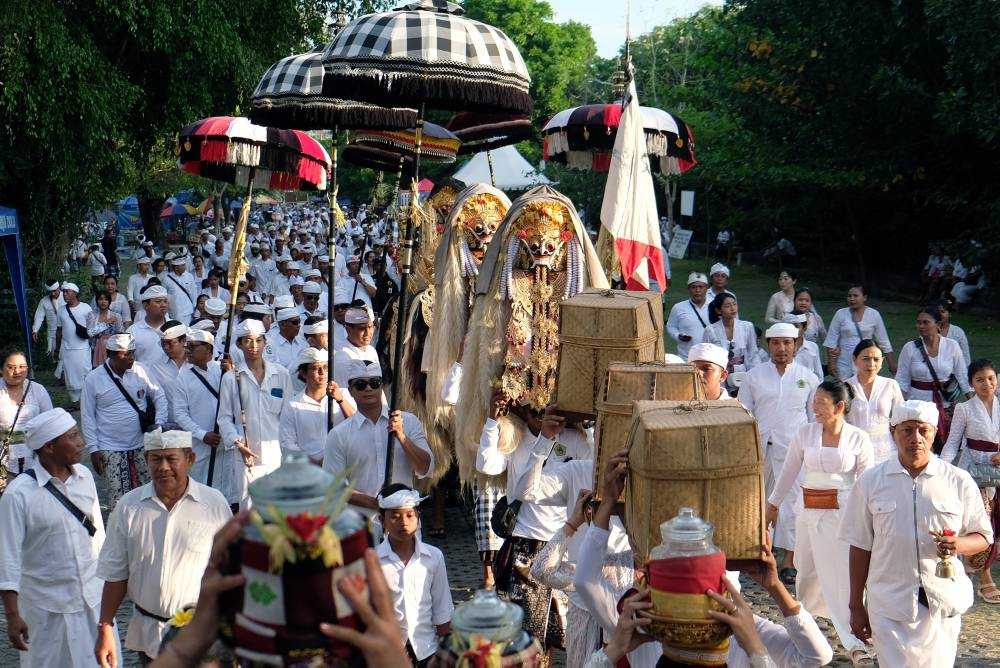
183 292
51 532
360 326
710 362
155 302
688 319
251 399
119 403
285 344
158 543
358 444
779 394
72 342
902 517
719 276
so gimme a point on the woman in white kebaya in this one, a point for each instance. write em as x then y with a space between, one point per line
733 335
827 456
849 326
874 398
975 439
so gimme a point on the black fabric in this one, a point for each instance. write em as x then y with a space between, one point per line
147 417
504 517
80 516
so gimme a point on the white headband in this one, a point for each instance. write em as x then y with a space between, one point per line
914 409
70 286
200 335
319 327
120 342
165 440
54 286
404 498
312 355
46 427
782 330
249 328
215 306
154 292
174 332
708 352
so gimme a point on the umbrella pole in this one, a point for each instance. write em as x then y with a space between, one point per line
489 161
405 269
331 270
235 273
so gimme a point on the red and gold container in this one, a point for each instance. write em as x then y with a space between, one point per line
302 540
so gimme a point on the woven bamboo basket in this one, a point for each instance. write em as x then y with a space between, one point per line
625 383
702 454
596 328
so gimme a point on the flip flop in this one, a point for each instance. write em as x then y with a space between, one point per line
989 593
861 657
787 576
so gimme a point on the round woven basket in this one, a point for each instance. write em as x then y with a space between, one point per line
681 620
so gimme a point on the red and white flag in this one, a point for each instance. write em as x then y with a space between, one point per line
629 209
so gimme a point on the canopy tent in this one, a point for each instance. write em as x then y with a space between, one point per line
510 170
127 213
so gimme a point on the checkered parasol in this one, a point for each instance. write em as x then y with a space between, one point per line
290 95
583 137
425 52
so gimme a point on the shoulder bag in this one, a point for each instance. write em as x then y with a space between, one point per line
504 517
81 331
147 417
80 516
945 396
183 289
9 436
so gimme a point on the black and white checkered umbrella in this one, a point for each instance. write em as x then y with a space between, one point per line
425 52
290 95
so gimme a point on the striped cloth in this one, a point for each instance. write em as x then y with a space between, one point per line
487 542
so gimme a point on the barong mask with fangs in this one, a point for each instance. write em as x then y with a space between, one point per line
544 230
480 217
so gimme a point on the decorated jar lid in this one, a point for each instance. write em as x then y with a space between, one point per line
485 614
294 487
685 535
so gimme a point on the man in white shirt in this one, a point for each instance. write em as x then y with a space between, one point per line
195 400
158 543
137 281
895 521
415 573
710 362
47 313
719 276
183 292
688 319
73 350
220 256
284 345
312 304
112 427
48 556
148 351
358 444
779 394
173 338
541 439
356 284
304 418
360 326
316 332
256 390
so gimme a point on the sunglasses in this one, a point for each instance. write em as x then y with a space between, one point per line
361 384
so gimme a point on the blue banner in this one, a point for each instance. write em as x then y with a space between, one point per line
10 233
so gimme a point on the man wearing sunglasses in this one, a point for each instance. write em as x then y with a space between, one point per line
285 343
360 325
358 444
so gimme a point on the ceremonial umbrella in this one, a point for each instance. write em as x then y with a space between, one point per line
437 144
425 54
583 138
485 132
234 150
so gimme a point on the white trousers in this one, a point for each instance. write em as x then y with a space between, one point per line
783 535
76 366
823 583
60 640
929 642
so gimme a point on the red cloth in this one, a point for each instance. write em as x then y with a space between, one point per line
688 575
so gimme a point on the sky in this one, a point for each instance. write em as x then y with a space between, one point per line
606 18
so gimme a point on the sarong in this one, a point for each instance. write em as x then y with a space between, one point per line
514 583
487 542
985 559
125 470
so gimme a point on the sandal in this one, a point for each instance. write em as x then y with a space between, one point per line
989 592
861 657
787 576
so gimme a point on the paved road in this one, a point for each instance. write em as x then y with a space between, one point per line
979 645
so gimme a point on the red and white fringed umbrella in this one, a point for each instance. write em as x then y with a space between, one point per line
234 150
227 148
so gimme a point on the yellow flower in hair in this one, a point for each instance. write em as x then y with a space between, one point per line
182 617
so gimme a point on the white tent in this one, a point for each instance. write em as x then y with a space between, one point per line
510 169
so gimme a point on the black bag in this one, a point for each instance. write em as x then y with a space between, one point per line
147 417
504 517
81 331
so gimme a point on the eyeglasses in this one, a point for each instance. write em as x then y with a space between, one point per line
362 384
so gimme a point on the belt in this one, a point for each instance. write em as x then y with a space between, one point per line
147 613
820 499
982 446
926 385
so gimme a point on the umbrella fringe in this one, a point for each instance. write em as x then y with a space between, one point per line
304 113
455 91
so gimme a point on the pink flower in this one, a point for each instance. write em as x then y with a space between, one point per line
306 525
